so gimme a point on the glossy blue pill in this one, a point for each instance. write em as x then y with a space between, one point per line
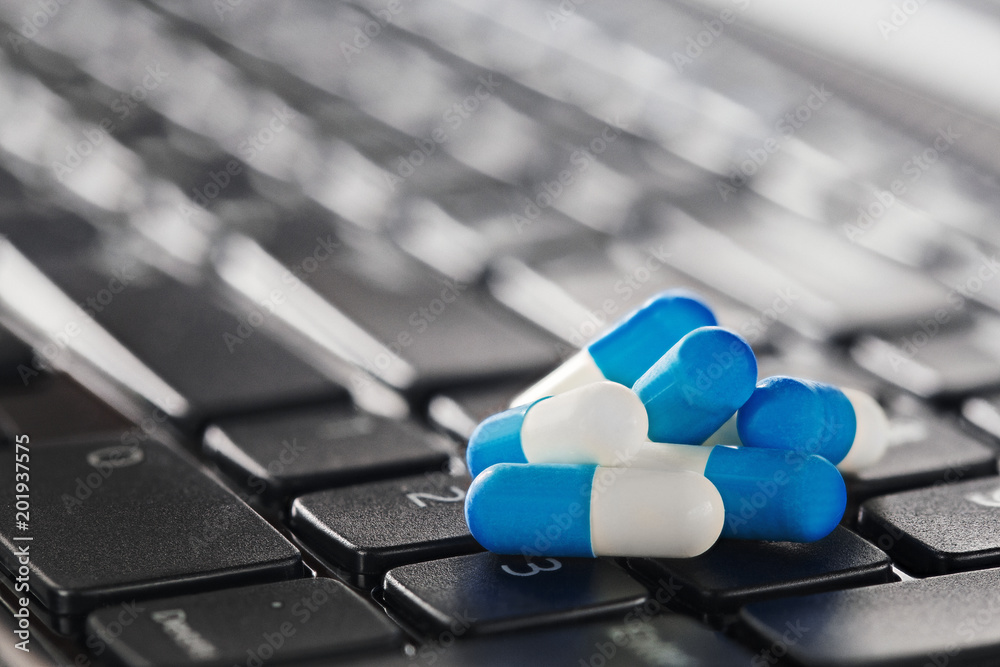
587 510
697 385
801 415
629 348
768 494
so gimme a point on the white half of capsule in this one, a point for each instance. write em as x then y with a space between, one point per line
577 371
602 422
872 436
652 513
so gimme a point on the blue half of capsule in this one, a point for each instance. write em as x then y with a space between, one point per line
778 496
587 510
802 415
625 352
697 385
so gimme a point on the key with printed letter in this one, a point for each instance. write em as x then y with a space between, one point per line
286 620
487 593
372 527
112 522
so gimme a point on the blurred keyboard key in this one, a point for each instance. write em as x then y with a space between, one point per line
373 527
113 522
641 639
943 529
488 593
458 411
735 572
933 360
219 363
924 449
937 621
80 413
428 330
290 620
279 454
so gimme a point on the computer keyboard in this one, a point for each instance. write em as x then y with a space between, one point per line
265 266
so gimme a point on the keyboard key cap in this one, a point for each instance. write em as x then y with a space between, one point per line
294 451
372 527
943 529
458 411
287 620
428 330
491 593
113 522
947 620
924 450
80 413
668 639
185 354
735 572
935 360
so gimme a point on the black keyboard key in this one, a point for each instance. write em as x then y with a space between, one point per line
373 527
113 522
935 360
283 621
984 415
735 572
668 639
289 452
458 411
212 362
429 330
939 621
943 529
924 449
490 593
80 413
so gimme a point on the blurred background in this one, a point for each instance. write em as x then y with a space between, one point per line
227 209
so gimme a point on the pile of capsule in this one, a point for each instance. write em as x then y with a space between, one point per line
657 439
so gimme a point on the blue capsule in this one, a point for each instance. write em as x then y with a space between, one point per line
768 494
587 510
697 385
626 351
801 415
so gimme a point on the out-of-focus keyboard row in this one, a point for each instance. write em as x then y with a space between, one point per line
266 266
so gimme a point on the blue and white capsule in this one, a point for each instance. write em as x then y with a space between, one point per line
626 351
782 496
697 385
603 423
587 510
845 426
